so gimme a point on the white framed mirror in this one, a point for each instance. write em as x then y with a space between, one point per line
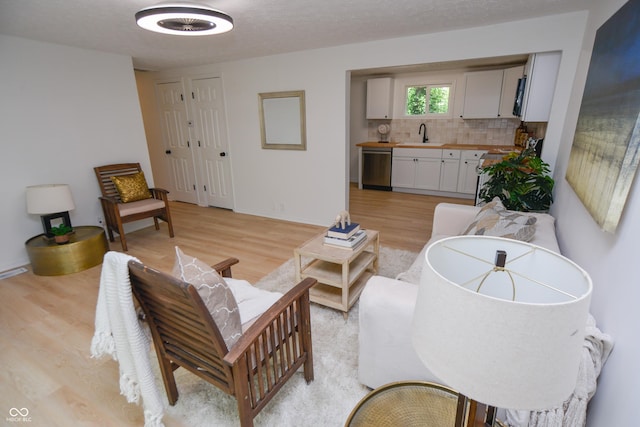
282 120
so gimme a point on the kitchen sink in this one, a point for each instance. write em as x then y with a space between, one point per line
420 144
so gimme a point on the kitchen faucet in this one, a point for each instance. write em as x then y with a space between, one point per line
424 135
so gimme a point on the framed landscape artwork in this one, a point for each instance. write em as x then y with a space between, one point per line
605 151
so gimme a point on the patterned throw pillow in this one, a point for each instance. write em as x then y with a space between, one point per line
495 220
215 294
132 187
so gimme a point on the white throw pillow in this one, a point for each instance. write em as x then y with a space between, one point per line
252 301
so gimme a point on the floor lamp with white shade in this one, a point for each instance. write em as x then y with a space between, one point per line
501 321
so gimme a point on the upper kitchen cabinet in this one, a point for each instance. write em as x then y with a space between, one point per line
541 74
482 94
509 89
380 98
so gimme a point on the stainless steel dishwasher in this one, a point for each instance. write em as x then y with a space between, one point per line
376 168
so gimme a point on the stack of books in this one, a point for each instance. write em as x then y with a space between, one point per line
349 237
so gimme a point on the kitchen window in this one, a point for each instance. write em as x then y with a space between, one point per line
428 100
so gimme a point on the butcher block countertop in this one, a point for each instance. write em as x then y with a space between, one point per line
492 149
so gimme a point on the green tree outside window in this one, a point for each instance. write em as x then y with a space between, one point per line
423 100
416 100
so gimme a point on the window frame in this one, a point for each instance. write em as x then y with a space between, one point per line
428 87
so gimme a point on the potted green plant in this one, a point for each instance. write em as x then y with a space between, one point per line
521 181
61 233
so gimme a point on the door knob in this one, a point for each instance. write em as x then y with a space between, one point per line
167 152
223 154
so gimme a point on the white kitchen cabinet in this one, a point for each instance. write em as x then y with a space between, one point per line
482 94
427 174
403 172
416 168
380 98
509 89
541 72
449 165
467 175
435 171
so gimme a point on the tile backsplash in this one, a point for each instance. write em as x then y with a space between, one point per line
456 130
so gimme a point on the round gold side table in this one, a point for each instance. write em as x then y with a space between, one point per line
406 404
85 249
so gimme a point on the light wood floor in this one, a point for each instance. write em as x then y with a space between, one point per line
46 323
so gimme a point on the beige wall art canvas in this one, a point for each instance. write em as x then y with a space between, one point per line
604 155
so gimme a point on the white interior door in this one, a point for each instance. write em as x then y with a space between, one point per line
173 112
211 143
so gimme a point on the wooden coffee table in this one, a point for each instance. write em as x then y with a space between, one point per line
341 273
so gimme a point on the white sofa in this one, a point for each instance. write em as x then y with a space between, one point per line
386 305
386 313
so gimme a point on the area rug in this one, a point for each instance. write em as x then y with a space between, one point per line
326 401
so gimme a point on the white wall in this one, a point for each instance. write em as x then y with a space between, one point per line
304 186
358 129
152 129
59 100
312 185
611 260
314 180
64 111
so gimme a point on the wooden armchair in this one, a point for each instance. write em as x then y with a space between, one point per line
117 213
184 334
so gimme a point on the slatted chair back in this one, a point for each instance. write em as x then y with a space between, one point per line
276 345
183 331
116 213
104 174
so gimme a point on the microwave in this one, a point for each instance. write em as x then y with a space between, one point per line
517 103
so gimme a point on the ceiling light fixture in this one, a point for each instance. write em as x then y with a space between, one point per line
184 20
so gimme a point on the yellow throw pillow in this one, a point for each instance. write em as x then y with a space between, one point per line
132 187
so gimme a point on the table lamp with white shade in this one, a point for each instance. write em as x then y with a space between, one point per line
51 202
502 321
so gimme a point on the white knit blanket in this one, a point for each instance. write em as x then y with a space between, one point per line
595 351
119 334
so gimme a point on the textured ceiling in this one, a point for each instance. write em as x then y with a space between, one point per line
262 27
